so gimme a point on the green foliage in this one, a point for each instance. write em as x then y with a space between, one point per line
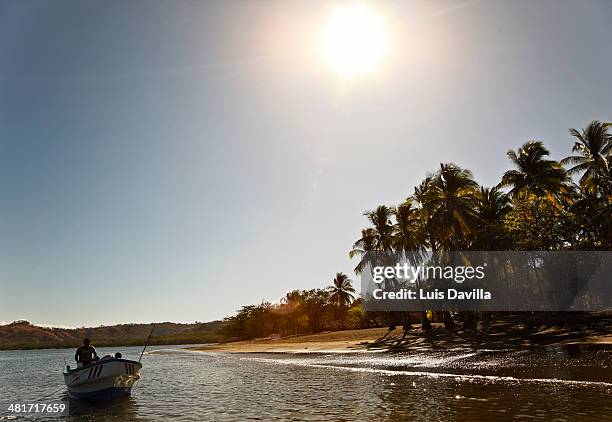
299 312
543 209
357 316
537 224
592 151
535 175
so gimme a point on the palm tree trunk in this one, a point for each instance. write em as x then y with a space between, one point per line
449 324
469 322
425 324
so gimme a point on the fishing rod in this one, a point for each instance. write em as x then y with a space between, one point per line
147 343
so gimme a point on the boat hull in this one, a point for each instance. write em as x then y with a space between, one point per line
103 380
103 395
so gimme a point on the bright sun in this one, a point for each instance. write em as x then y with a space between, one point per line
354 41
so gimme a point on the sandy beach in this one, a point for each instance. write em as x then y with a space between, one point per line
505 333
335 341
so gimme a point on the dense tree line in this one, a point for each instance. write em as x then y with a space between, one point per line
299 312
537 205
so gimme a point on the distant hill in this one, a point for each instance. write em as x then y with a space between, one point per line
24 335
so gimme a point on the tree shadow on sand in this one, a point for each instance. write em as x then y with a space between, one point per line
572 331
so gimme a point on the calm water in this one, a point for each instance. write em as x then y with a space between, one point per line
441 385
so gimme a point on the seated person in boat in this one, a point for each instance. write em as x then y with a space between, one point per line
86 353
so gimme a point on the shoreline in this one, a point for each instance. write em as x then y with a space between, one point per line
328 342
504 334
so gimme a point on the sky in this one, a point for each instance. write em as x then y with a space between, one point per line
173 161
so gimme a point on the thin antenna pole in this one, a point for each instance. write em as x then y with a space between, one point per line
147 343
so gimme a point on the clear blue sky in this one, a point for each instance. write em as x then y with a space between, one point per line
172 161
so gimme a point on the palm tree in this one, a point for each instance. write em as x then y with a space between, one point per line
447 218
421 197
381 222
341 294
492 206
451 202
592 155
535 175
378 238
410 238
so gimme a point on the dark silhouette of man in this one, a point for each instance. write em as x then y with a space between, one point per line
86 353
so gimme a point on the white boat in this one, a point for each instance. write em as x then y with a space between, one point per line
105 379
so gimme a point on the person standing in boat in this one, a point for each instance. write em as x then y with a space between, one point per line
86 353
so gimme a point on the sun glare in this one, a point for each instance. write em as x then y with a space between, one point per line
354 41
